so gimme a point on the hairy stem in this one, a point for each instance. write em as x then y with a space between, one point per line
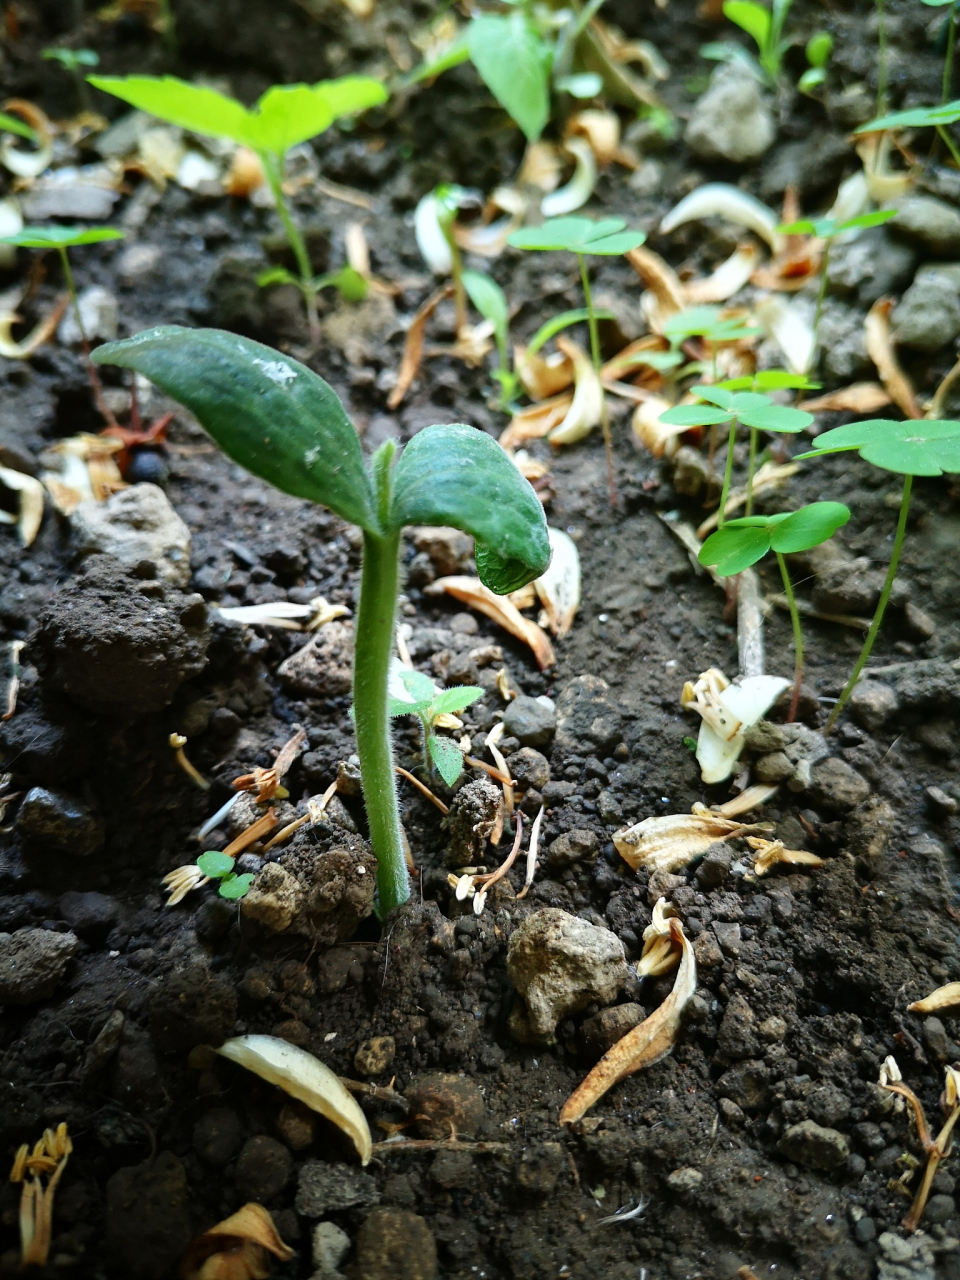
797 637
595 356
95 383
881 605
727 473
272 169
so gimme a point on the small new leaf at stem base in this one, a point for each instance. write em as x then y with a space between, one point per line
447 757
452 701
215 864
233 887
826 228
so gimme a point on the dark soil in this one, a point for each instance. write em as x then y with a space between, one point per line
804 979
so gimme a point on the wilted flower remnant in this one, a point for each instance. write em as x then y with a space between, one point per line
48 1159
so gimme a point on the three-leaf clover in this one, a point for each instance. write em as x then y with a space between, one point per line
220 866
432 705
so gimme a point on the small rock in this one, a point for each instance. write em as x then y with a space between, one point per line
321 894
731 121
919 625
264 1167
32 963
445 1104
745 1085
714 869
217 1136
690 472
927 317
55 822
929 223
728 936
453 1169
540 1167
872 704
137 262
323 668
604 1029
765 738
842 342
737 1038
870 827
191 1006
529 769
864 1230
148 1217
135 525
395 1244
474 811
837 786
872 266
449 550
296 1125
814 1147
685 1181
560 963
375 1056
532 720
585 710
579 845
707 951
942 804
91 915
905 1259
275 898
330 1246
936 1039
776 767
98 311
853 105
324 1188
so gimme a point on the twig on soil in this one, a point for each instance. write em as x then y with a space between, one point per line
13 687
382 1093
436 1144
424 790
497 776
178 742
807 610
750 625
252 834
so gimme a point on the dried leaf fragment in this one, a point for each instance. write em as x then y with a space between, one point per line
42 331
413 345
660 955
947 997
472 592
305 1078
878 338
859 397
236 1248
536 421
728 279
770 852
646 1044
586 408
542 376
672 841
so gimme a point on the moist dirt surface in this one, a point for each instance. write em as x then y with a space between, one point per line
763 1141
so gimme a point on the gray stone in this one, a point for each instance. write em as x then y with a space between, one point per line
936 1039
814 1147
685 1181
872 704
91 915
928 315
865 1230
443 1104
134 525
395 1244
905 1259
529 768
559 964
474 811
579 845
811 166
932 684
532 720
448 549
453 1170
872 266
324 1188
929 223
850 587
323 667
264 1166
54 821
98 311
148 1217
728 936
330 1246
941 803
837 786
765 737
105 1045
714 869
32 963
732 120
540 1168
587 715
776 767
842 342
604 1029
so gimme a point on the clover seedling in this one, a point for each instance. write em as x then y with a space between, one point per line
742 542
910 449
609 237
826 229
72 60
283 117
765 380
920 118
818 50
751 408
435 708
281 421
61 239
220 866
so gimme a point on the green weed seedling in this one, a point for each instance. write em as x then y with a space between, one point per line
283 117
704 322
746 540
61 239
429 704
490 300
909 449
920 118
951 37
73 60
765 28
826 229
818 51
751 408
282 422
219 866
608 237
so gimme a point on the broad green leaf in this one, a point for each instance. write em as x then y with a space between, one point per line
215 864
489 299
512 60
563 321
458 699
452 56
578 235
775 417
267 411
734 548
825 228
236 886
875 219
910 448
820 46
808 527
419 686
188 105
457 475
752 18
719 396
350 284
694 415
447 756
61 237
349 95
12 125
916 118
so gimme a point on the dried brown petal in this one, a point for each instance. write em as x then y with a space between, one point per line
413 345
236 1248
536 421
472 592
879 342
947 997
672 841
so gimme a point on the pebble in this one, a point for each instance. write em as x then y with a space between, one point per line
529 769
445 1104
604 1029
135 525
473 813
32 963
453 1170
274 899
264 1167
579 845
296 1125
936 1039
927 317
559 964
330 1245
191 1006
905 1259
449 550
685 1181
776 767
54 821
941 803
732 120
395 1244
103 1048
586 710
540 1167
137 262
148 1223
872 704
872 266
842 341
765 738
323 667
865 1230
91 915
837 786
324 1188
813 1146
714 869
930 223
531 720
375 1056
728 936
217 1136
98 311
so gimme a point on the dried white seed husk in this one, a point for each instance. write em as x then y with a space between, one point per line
728 711
660 438
431 241
787 324
721 200
305 1078
659 953
947 997
542 376
672 841
586 408
559 587
31 502
580 187
728 279
770 852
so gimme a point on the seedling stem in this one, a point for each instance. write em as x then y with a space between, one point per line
271 169
948 60
94 377
751 469
797 637
881 605
595 356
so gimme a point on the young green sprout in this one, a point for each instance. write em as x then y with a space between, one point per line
490 300
281 421
609 237
61 239
742 542
283 117
72 60
826 229
920 118
220 866
818 50
909 449
435 708
751 408
707 323
765 27
951 41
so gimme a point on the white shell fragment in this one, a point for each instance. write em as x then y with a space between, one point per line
431 241
559 587
728 711
580 187
721 200
305 1078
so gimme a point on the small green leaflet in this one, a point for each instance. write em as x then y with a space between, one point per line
695 415
61 237
513 62
418 685
749 407
452 701
909 448
826 228
579 235
234 887
770 380
452 56
563 321
12 125
72 59
917 118
705 322
447 756
742 542
489 299
820 46
215 864
752 18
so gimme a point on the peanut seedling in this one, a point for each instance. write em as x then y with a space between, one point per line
433 707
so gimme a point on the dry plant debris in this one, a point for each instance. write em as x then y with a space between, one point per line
878 337
936 1149
769 852
946 997
472 592
672 841
727 710
660 952
236 1248
48 1159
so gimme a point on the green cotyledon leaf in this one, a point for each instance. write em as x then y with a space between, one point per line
270 413
457 475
